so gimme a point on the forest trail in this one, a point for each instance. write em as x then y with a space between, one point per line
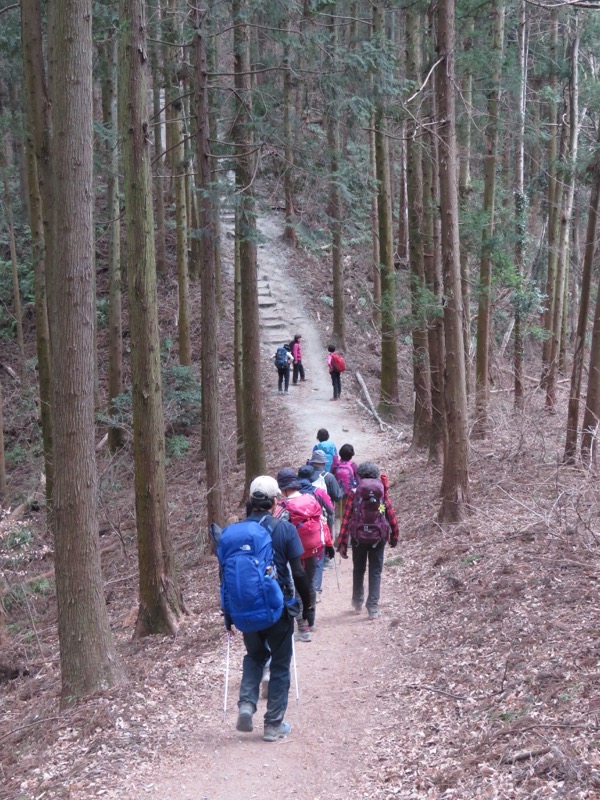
334 719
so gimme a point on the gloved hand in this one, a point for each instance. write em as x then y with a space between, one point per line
343 551
394 543
330 552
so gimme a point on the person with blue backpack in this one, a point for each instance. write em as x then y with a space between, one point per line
283 360
326 446
261 562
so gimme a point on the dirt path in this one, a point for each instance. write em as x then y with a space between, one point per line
333 719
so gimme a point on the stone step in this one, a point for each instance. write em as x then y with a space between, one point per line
272 324
266 302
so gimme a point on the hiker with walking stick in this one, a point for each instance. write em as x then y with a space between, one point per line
257 597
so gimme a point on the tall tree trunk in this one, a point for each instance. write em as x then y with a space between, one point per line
172 36
210 312
156 60
414 174
568 176
3 484
160 600
87 653
116 437
288 150
17 307
455 489
335 196
554 195
520 202
464 192
376 265
238 345
388 404
482 377
403 211
591 417
37 107
584 306
254 448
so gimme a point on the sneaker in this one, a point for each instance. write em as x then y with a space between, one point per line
274 732
244 720
357 608
373 615
302 636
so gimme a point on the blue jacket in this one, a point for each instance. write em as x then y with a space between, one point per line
330 451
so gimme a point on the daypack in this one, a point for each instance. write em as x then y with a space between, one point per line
305 514
320 482
281 359
345 477
337 362
368 523
250 592
309 488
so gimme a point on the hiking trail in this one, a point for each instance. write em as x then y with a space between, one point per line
336 715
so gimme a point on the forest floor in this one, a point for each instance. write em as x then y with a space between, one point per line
480 679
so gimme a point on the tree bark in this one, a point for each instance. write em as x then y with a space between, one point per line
210 311
482 377
160 600
455 489
88 656
584 306
414 175
254 448
389 400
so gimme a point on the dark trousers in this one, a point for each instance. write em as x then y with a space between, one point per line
361 554
336 380
298 370
284 377
273 643
310 567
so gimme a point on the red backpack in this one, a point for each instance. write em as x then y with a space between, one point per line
337 362
305 514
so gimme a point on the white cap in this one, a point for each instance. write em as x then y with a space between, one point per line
266 485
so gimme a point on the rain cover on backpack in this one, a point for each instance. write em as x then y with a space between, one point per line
250 592
305 514
368 523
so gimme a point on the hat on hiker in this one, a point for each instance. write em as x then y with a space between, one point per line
264 485
306 471
317 457
287 479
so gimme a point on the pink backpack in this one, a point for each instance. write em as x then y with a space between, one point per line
306 515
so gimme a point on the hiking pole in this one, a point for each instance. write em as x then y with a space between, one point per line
336 572
226 676
295 672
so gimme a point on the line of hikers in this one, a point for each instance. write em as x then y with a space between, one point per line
289 356
272 564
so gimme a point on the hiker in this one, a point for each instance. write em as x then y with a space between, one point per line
345 471
323 479
283 360
369 522
275 641
336 365
305 474
304 512
325 444
297 355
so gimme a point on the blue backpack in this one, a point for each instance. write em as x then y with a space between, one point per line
250 592
281 358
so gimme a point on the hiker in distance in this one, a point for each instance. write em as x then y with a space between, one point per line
323 479
369 522
297 354
259 557
325 445
283 360
336 365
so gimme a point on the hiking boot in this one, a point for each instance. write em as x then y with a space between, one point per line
274 732
244 720
373 614
357 607
302 636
